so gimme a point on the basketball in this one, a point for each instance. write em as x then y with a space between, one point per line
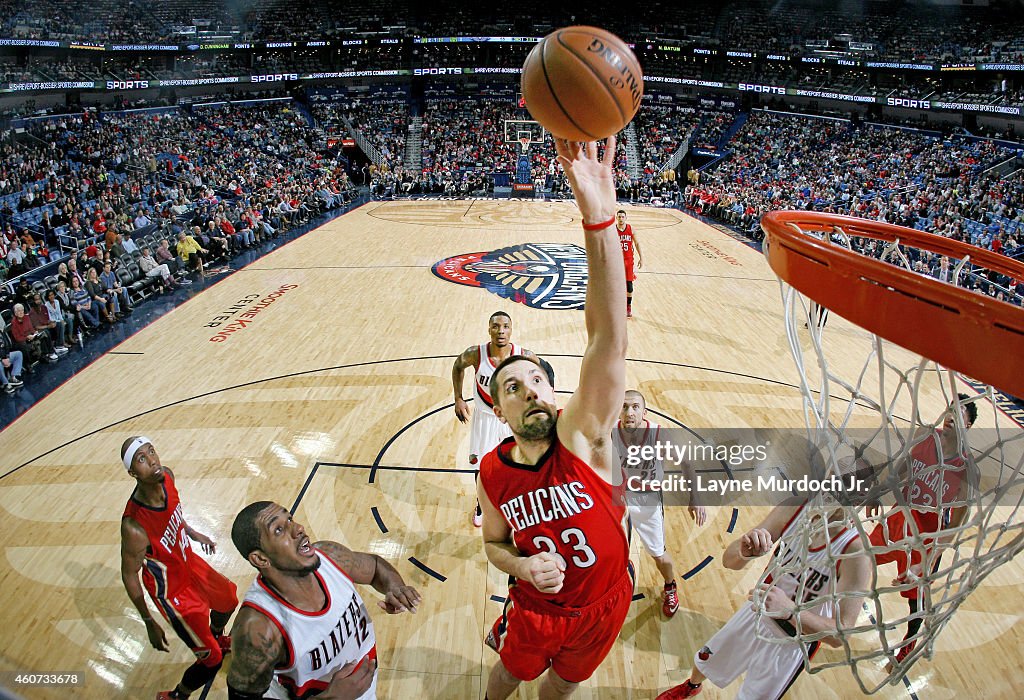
582 83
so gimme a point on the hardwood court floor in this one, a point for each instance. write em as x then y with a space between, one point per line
349 367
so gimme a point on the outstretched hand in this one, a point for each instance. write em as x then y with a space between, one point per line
400 599
591 179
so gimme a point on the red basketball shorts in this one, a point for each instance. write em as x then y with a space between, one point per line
188 610
532 635
898 531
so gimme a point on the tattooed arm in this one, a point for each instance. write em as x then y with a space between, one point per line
470 357
257 649
369 568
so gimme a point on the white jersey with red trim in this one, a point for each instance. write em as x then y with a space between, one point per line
644 469
319 643
812 577
482 381
486 430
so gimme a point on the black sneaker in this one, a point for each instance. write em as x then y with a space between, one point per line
16 381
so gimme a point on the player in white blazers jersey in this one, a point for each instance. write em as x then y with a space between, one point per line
645 507
303 620
486 431
772 668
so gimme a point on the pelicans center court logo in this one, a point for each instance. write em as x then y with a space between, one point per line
539 275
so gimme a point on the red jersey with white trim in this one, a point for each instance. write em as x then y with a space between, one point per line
560 505
166 568
934 482
484 371
628 246
318 643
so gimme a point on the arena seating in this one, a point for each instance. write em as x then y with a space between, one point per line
240 173
903 176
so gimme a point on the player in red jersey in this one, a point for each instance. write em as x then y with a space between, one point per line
196 600
553 520
936 478
629 242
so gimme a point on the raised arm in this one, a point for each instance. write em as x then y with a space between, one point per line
371 569
759 541
470 357
588 417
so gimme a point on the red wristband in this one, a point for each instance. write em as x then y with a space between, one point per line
599 227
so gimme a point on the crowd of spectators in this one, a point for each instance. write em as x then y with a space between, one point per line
896 31
886 31
111 21
381 120
712 127
901 176
194 187
465 138
876 31
662 129
385 126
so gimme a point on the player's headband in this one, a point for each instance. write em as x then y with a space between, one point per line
134 447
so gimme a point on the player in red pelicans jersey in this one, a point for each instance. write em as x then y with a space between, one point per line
553 520
303 619
196 600
629 242
935 479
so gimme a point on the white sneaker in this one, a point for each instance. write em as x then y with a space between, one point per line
478 519
52 357
61 350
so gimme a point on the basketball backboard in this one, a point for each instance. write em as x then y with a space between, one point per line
518 129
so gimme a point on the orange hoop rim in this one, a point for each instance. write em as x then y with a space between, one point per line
971 333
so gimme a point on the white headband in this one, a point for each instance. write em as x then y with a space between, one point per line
134 447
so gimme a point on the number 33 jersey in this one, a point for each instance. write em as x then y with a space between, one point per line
560 505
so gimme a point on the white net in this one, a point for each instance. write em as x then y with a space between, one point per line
943 487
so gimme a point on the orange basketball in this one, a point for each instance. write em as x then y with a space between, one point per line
582 83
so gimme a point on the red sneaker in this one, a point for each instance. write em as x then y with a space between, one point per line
224 642
166 695
901 655
686 690
669 599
